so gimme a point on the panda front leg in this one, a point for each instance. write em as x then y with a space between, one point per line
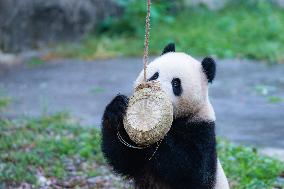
187 157
124 160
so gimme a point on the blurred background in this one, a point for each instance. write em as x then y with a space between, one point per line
62 61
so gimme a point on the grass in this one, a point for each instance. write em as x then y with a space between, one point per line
4 102
35 62
237 31
275 99
247 169
97 90
45 147
267 91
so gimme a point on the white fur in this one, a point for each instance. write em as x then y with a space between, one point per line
194 99
221 179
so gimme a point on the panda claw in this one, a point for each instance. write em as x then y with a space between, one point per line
115 110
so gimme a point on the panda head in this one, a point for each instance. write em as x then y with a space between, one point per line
185 80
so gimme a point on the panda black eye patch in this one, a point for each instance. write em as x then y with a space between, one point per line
176 84
154 77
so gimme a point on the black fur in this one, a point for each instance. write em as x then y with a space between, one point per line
123 159
176 85
209 68
154 77
186 159
171 47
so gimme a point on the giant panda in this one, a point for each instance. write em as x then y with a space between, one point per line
187 157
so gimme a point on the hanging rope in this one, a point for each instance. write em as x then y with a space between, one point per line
147 35
140 130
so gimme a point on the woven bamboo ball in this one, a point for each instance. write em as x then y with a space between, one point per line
149 114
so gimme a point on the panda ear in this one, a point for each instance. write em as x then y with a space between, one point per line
209 68
171 47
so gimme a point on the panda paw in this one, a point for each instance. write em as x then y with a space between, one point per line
115 110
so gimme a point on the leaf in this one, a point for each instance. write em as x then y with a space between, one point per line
275 99
97 90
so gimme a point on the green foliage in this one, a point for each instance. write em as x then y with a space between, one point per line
34 62
244 30
133 19
275 99
263 89
47 144
267 91
97 90
4 102
247 169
